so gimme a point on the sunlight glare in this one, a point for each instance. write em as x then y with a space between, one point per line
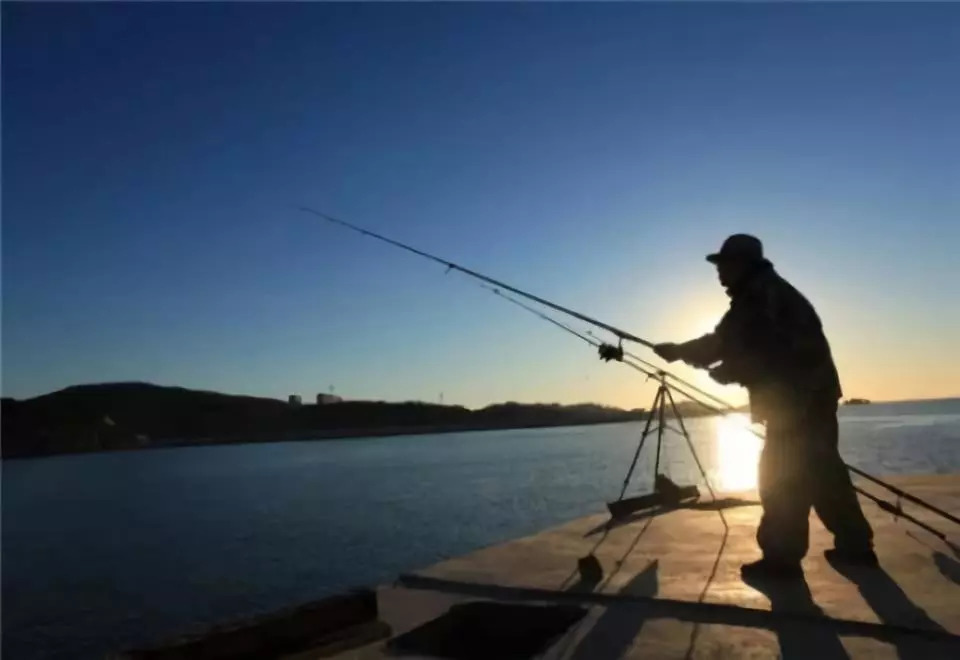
738 451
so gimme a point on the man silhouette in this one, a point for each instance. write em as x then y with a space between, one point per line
771 341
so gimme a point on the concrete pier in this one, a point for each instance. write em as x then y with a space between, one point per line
650 586
670 588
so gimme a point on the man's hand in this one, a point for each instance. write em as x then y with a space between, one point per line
722 375
668 351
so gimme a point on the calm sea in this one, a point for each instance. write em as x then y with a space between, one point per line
105 551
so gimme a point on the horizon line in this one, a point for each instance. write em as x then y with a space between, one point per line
397 401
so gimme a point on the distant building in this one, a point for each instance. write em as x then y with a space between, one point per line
295 400
328 398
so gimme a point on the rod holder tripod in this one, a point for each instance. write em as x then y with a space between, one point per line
665 493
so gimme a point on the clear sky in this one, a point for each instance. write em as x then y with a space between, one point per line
153 155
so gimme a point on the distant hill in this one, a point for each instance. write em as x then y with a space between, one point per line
110 416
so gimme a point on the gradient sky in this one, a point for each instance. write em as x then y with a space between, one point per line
153 155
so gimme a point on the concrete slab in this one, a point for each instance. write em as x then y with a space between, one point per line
689 555
671 587
656 629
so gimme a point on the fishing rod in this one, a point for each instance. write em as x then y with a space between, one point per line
621 334
900 513
904 494
677 379
630 360
643 366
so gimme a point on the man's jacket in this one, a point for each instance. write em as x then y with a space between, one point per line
772 342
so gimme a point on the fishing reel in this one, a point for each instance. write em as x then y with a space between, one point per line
609 352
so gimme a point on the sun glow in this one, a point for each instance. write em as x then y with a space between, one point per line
738 451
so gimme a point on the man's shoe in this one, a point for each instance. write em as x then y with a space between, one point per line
766 569
852 557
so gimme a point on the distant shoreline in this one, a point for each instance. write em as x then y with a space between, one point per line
324 435
388 432
86 419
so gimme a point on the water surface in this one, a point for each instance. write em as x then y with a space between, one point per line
103 551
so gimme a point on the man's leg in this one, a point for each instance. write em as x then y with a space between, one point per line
783 534
835 500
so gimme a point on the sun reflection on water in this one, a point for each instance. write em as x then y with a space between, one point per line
738 451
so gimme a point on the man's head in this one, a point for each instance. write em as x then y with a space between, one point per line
739 255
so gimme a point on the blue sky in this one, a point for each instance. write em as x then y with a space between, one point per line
153 155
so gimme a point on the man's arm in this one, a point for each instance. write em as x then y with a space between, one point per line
771 333
700 352
706 351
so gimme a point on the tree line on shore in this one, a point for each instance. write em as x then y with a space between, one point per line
111 416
